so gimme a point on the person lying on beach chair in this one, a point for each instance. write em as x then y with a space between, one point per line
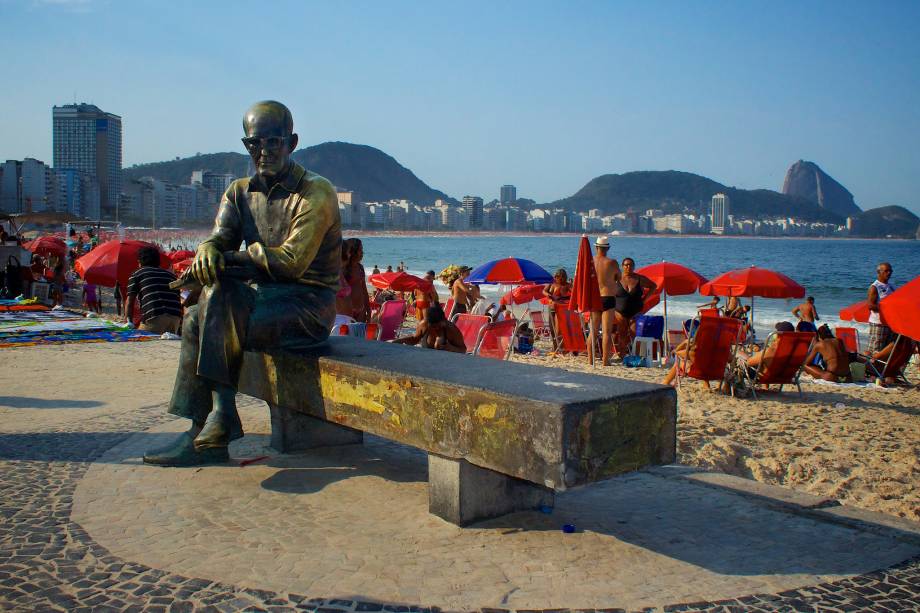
780 362
834 357
706 355
436 332
889 362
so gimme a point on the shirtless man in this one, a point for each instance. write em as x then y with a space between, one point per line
435 332
807 312
608 273
461 291
834 354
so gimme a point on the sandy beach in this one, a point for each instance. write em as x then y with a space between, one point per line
857 445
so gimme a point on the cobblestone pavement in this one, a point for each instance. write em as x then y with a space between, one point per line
50 563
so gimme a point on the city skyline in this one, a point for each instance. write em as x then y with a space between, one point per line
734 93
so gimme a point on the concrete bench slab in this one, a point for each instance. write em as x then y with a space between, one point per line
543 427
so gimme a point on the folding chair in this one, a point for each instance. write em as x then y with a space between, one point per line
713 346
897 360
496 340
784 367
571 331
850 338
470 327
390 319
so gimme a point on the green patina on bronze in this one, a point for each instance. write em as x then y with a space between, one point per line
550 444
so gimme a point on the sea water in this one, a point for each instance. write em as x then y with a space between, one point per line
837 272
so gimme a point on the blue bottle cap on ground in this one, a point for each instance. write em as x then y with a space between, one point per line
546 509
568 528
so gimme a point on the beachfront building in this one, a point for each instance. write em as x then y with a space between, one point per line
217 181
508 195
27 186
197 203
87 139
720 213
474 211
350 208
78 194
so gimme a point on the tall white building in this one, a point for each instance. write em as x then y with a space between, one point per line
720 213
88 139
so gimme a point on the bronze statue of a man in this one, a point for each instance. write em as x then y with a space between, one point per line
276 295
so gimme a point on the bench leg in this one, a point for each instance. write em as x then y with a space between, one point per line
462 493
293 432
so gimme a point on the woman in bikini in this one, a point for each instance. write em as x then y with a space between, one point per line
558 292
631 290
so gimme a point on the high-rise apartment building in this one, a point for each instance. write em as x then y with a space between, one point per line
88 139
218 181
720 212
473 207
508 194
27 186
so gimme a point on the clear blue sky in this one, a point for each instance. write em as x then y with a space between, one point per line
544 95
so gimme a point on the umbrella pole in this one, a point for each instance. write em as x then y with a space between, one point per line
667 337
591 342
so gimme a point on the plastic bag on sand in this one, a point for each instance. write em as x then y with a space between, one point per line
169 336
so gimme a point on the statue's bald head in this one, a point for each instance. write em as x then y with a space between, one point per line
268 118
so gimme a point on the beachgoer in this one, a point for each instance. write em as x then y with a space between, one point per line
880 357
631 289
376 270
807 315
558 293
277 295
461 291
343 296
389 269
91 298
834 355
712 304
753 360
436 332
732 307
879 333
425 298
608 273
402 267
161 310
360 301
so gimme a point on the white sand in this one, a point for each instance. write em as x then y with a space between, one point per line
864 453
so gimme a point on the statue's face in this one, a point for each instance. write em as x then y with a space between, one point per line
268 141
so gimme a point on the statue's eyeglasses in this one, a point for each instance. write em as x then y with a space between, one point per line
270 143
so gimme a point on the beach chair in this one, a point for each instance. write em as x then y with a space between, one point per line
709 313
571 331
785 366
897 360
496 340
470 327
713 345
850 338
390 319
540 328
448 307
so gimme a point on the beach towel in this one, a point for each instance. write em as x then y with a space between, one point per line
95 336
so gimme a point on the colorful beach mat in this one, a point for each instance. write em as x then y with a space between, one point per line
93 336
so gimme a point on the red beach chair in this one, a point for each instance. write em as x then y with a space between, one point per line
894 366
713 346
470 327
785 366
392 314
496 340
850 338
539 325
448 307
571 331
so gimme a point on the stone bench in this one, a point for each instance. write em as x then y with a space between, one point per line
500 436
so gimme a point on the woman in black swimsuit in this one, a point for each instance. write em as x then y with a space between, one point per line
632 288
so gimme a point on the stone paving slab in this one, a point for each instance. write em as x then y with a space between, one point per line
352 523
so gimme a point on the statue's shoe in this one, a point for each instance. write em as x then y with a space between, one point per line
219 430
182 452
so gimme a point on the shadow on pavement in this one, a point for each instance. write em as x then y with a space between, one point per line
24 402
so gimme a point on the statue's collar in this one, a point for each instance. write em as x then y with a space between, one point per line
289 181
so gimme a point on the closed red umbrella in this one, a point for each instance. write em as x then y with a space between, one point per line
900 310
856 312
586 293
523 294
113 262
46 246
398 281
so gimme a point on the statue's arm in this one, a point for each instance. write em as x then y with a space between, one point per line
309 225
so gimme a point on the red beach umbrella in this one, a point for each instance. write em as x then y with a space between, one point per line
673 279
180 267
753 281
858 311
113 262
523 294
586 293
901 309
181 254
46 246
398 281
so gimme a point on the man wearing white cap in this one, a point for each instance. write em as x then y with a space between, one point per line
608 272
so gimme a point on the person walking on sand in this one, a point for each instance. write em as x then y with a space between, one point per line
608 273
461 291
879 334
807 315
